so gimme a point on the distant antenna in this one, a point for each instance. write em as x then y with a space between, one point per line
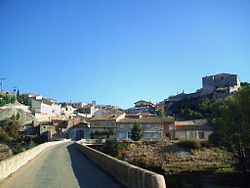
1 83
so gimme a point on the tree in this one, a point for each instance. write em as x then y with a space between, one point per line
18 94
137 132
81 110
18 116
232 126
162 113
245 84
25 100
9 130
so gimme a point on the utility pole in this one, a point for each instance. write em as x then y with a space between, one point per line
1 83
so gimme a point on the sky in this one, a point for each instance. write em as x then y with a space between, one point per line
120 51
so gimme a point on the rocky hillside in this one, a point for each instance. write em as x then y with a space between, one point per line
21 112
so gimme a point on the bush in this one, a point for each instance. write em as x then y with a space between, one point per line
190 144
205 144
214 139
115 149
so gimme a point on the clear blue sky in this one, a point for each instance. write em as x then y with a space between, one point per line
120 51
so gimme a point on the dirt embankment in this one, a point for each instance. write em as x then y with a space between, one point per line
172 159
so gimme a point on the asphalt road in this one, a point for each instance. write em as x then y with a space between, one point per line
60 166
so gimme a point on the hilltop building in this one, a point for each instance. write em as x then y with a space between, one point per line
218 85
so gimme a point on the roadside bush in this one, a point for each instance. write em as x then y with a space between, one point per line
205 144
115 149
190 144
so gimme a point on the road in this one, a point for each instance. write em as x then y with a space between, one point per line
60 166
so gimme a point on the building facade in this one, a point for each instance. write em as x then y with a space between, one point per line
79 131
104 126
154 128
192 129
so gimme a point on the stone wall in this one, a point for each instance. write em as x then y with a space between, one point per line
129 175
12 164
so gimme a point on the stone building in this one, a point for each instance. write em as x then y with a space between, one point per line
220 84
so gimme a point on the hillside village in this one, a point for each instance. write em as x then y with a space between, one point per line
50 120
173 137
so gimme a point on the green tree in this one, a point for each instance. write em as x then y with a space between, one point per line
9 130
245 84
25 100
162 113
18 116
81 110
137 132
232 126
18 95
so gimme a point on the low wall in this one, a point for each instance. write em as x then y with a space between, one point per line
129 175
12 164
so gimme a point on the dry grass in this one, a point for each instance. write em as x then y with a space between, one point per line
176 160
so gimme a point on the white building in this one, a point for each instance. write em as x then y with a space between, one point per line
68 111
45 109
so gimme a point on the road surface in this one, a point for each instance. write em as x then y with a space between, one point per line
60 166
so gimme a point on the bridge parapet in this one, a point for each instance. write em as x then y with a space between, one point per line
92 141
12 164
129 175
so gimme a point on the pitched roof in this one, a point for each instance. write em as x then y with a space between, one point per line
145 120
200 124
147 102
104 117
88 106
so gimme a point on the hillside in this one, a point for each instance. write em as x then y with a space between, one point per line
18 110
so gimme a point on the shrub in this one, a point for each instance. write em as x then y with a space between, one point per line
205 144
190 144
115 149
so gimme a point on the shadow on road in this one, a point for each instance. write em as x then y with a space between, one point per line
88 174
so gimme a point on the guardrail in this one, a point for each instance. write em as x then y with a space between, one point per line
129 175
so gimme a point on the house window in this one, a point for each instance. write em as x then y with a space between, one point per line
147 135
152 135
129 134
122 135
156 135
148 126
130 126
121 126
158 126
201 135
